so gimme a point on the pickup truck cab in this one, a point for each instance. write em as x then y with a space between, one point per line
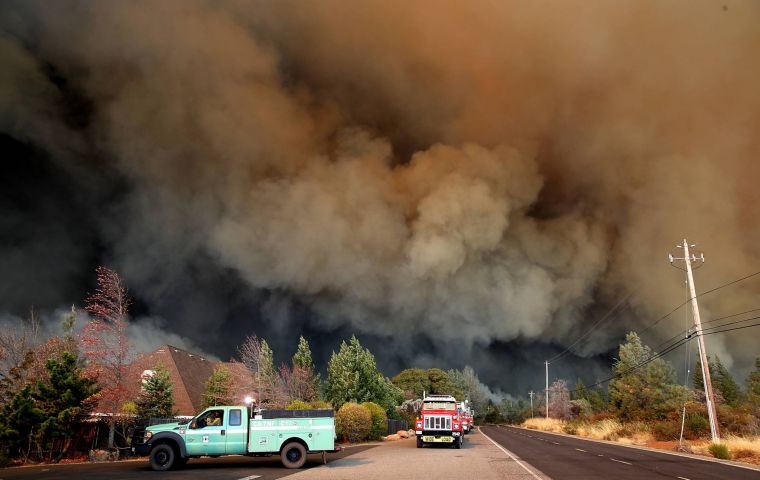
239 430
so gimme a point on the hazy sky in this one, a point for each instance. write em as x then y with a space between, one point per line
456 183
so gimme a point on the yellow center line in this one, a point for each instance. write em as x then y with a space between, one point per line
620 461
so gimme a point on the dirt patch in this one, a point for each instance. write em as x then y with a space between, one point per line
662 445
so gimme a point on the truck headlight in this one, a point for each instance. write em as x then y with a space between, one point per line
456 425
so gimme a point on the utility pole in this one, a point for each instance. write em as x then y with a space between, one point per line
547 389
531 393
709 398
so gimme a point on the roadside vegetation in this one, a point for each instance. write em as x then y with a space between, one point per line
645 406
56 392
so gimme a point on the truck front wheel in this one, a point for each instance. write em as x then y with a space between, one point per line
419 442
293 455
162 457
458 443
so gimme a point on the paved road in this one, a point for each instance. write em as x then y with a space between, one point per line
225 468
562 457
477 459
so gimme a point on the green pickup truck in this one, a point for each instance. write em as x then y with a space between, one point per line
239 430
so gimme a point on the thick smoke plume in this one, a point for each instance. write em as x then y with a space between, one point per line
458 181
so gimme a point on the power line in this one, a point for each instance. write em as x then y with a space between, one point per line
666 351
697 296
632 369
684 332
731 316
593 327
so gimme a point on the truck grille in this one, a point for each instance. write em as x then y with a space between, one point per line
437 422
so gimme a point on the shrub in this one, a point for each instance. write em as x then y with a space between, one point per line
298 405
353 421
320 405
739 421
667 430
696 426
720 450
379 423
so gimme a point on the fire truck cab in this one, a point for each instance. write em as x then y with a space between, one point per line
439 422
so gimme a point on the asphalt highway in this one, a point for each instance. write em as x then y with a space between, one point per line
561 457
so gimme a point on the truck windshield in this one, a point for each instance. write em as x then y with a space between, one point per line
439 406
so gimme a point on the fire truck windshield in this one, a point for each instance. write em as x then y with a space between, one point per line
439 406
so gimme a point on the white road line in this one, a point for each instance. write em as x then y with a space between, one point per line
555 443
511 456
683 478
249 477
620 461
580 449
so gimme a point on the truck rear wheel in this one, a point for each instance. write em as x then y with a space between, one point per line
293 455
162 457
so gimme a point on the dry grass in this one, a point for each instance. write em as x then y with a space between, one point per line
544 424
604 430
743 449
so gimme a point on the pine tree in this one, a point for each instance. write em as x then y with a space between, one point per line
63 399
753 384
302 357
256 355
303 381
643 388
218 388
156 399
352 376
579 392
267 370
18 418
726 384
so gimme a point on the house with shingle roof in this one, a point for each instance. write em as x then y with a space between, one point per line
189 373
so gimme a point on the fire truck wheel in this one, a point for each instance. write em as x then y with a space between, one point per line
419 442
293 455
458 443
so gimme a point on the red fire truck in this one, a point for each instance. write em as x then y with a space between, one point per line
465 415
439 421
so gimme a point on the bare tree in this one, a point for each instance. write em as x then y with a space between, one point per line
18 357
16 341
559 399
256 355
298 383
105 344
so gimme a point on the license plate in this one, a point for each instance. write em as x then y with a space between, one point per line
443 439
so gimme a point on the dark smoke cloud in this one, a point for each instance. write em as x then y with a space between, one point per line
483 179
